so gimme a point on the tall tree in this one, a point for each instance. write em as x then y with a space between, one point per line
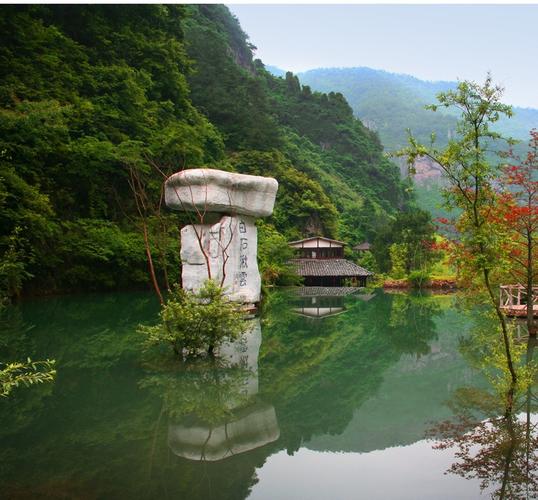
470 173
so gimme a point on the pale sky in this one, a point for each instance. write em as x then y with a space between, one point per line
431 42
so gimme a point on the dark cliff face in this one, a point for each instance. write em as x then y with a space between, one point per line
229 29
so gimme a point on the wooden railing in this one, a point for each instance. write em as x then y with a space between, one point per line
513 299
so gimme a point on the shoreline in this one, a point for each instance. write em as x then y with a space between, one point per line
447 285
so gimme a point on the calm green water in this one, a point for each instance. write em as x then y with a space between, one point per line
304 407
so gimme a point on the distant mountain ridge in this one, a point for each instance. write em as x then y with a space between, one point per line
391 103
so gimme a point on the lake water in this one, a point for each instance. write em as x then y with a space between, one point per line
325 398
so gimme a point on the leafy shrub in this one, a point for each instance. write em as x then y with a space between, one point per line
398 252
419 278
192 322
274 255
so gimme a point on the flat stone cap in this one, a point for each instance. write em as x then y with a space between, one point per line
211 190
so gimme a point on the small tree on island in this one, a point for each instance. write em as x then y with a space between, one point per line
192 323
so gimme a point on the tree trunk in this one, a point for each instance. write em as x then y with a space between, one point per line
530 295
504 328
150 263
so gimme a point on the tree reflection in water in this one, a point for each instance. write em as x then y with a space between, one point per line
495 439
121 426
212 406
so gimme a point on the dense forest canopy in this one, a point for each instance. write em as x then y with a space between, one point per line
91 96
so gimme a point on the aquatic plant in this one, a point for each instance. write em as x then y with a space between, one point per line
195 322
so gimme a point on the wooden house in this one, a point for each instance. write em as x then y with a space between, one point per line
320 261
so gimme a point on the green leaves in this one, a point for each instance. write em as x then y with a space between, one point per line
88 90
191 323
25 373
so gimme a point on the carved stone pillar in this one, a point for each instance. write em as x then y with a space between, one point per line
222 242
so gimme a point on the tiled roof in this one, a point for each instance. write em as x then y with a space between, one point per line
317 238
328 267
363 246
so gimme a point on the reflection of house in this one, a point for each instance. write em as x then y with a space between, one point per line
321 263
321 302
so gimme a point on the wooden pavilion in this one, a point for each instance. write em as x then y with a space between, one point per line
514 301
321 263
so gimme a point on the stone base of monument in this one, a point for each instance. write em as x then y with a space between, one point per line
228 249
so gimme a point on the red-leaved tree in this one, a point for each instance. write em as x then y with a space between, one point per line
518 209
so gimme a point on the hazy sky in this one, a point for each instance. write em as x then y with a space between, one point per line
431 42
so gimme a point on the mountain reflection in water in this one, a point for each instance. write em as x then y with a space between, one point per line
351 391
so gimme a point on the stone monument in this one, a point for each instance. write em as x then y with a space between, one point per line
222 241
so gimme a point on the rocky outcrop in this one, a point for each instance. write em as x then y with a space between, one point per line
203 190
426 170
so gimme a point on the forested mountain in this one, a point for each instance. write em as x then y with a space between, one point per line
98 102
390 103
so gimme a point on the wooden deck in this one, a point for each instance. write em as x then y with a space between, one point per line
513 301
519 311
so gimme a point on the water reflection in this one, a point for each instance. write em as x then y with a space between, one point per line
319 374
495 438
214 410
253 427
321 302
122 426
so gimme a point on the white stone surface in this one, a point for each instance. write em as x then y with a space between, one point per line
230 246
226 250
244 353
210 190
256 428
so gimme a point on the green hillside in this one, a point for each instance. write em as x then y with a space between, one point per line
391 103
92 95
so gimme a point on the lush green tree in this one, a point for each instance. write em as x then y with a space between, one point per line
519 210
367 260
471 176
405 243
85 91
274 255
398 252
91 96
302 208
